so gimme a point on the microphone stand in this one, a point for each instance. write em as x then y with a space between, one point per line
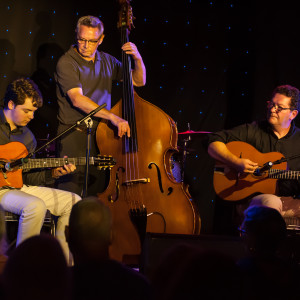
88 121
79 122
268 165
89 124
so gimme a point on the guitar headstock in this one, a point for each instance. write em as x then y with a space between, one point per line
103 162
125 15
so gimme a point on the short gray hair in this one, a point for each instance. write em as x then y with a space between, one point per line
90 21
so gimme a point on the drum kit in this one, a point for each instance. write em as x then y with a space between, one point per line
178 160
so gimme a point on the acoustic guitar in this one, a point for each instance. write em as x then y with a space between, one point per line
13 151
233 186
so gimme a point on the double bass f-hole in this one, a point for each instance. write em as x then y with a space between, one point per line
170 189
137 181
110 197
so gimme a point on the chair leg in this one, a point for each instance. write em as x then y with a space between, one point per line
13 219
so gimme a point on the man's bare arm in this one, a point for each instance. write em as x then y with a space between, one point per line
220 152
87 105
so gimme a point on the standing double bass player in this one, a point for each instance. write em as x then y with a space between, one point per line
142 194
84 79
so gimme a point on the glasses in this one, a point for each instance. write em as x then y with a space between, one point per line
90 42
271 104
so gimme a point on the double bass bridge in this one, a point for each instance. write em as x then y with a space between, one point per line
136 181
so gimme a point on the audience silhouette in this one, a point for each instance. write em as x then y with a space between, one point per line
186 271
37 269
95 276
266 274
3 243
3 257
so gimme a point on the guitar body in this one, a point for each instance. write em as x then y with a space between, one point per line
232 186
8 153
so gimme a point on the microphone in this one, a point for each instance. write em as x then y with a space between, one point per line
18 162
91 113
267 166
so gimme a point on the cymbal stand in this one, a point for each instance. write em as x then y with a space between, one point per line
184 155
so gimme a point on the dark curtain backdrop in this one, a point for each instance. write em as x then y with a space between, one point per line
210 65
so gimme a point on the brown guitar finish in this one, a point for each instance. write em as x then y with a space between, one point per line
233 186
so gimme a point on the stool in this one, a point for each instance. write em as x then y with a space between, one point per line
11 218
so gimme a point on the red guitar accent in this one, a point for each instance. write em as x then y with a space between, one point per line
233 186
15 150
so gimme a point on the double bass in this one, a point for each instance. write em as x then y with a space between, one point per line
142 194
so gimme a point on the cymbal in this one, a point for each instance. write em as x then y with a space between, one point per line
194 132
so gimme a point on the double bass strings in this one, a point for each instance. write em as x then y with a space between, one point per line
131 145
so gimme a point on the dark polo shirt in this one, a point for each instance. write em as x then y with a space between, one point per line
95 79
261 136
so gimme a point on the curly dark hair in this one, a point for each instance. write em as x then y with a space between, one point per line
20 89
291 92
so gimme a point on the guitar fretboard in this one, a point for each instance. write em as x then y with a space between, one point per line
283 174
53 162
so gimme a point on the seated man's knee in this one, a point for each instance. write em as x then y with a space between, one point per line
35 208
77 198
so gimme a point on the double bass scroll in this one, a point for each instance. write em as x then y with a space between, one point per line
142 193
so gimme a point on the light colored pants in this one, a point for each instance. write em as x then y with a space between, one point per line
287 206
32 202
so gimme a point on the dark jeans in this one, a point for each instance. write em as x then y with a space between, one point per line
73 144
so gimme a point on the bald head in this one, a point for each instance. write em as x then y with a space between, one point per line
89 227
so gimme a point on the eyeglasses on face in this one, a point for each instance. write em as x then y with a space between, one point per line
90 42
271 104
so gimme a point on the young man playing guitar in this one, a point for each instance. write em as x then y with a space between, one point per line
31 201
277 133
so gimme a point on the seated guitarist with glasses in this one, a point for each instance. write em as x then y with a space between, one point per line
31 200
277 133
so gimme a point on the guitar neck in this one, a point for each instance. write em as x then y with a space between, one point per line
283 174
55 162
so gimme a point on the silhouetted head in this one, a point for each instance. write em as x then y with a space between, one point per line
89 230
264 229
37 269
187 270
